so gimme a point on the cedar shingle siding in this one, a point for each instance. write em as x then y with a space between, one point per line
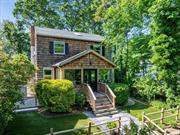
88 61
46 57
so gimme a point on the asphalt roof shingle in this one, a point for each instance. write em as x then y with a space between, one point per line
68 34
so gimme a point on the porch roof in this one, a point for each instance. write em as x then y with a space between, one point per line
80 55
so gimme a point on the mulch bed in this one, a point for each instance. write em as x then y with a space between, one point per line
44 112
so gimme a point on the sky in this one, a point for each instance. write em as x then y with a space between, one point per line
6 8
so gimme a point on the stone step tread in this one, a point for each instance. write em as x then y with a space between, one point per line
103 96
104 106
103 103
102 99
106 113
104 110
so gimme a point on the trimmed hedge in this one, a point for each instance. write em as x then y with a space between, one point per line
121 91
56 95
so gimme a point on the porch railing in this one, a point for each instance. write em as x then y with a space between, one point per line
90 95
104 88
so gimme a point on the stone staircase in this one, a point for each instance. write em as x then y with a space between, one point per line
103 105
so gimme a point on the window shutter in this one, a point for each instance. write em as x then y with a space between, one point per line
51 47
66 48
91 47
103 50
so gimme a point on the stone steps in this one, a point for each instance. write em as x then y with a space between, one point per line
104 107
106 113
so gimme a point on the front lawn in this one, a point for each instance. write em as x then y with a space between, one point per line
137 109
32 123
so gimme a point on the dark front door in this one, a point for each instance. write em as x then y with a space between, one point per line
90 77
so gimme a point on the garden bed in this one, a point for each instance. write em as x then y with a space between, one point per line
47 113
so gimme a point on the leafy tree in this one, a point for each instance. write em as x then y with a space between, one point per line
15 39
165 43
147 87
39 12
74 15
14 71
123 28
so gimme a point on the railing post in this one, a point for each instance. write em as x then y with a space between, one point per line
162 116
89 129
113 102
177 116
143 119
51 131
119 126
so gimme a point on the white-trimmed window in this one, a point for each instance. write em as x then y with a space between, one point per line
47 73
97 48
59 47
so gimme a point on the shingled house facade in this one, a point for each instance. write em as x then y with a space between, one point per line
76 56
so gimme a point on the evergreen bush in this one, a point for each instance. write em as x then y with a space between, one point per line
56 95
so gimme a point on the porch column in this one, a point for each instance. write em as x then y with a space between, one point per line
82 75
61 73
112 77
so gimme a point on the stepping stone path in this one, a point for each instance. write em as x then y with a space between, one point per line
125 118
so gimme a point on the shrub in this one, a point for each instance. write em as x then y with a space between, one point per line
80 99
111 125
121 91
56 95
146 87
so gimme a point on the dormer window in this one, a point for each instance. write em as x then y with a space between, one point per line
59 47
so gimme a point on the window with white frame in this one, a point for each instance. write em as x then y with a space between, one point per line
47 73
59 47
97 48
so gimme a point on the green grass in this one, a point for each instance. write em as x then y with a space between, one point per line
137 109
33 123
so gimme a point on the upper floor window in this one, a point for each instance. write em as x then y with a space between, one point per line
98 48
59 47
47 73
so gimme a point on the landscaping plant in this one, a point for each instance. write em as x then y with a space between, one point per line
112 125
80 99
121 91
56 95
14 71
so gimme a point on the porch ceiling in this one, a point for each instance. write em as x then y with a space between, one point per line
86 59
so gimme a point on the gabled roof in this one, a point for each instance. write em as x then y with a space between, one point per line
79 55
68 34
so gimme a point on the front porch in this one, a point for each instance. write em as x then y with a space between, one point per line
87 69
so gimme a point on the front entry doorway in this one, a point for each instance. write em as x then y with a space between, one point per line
90 77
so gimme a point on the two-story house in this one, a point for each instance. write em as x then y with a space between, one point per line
76 56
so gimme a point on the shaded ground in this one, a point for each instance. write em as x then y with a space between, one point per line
33 123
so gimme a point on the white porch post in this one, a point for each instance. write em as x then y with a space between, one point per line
82 75
61 73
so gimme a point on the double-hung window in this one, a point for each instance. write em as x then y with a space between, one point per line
59 47
47 73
